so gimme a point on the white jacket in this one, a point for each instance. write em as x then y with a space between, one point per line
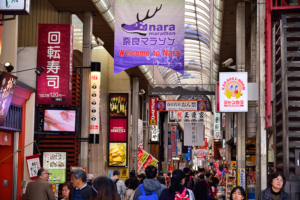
121 188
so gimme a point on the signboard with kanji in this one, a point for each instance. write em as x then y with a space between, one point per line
173 140
33 165
193 134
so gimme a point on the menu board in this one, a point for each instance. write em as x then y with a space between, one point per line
56 163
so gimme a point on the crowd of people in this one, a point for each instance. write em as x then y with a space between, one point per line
153 185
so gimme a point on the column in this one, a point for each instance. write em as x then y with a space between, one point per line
135 116
228 124
166 132
15 165
240 63
85 87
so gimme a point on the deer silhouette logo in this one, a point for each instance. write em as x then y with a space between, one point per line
138 27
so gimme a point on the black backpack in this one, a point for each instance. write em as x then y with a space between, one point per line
117 188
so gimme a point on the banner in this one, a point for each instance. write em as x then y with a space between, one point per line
173 140
33 165
193 134
222 152
55 54
154 133
186 116
118 129
95 103
233 91
181 105
142 158
151 161
152 112
242 177
149 33
169 153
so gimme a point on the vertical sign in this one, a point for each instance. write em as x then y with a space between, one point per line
193 134
173 140
33 165
149 33
55 54
179 148
217 97
152 112
223 120
233 91
169 153
188 155
242 177
154 133
7 83
217 121
95 103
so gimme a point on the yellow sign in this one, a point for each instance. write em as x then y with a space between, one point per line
233 164
239 179
144 157
124 172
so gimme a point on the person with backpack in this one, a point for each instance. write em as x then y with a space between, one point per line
189 183
177 191
202 189
151 188
120 185
132 185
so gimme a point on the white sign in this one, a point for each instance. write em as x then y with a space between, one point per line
186 116
233 91
217 121
140 134
172 115
182 165
95 103
193 134
242 177
218 135
154 133
15 6
179 148
33 166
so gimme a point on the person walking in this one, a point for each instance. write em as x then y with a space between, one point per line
82 190
40 189
103 188
132 185
90 179
150 186
189 183
200 171
177 189
131 175
274 190
66 189
238 193
120 185
202 189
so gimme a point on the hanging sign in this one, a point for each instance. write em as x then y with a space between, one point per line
169 153
154 133
218 135
142 158
95 103
179 148
33 165
193 134
55 54
152 112
242 177
185 105
233 91
7 86
217 121
149 33
223 120
173 140
222 152
15 7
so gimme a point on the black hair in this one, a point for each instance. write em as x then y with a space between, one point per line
215 181
201 169
40 171
208 175
201 177
177 176
133 183
238 188
104 188
151 172
275 175
186 170
116 172
169 174
79 173
132 174
161 179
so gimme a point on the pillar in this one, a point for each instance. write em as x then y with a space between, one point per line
228 124
166 132
135 116
15 165
240 63
85 87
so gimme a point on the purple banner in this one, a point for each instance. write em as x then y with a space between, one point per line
149 33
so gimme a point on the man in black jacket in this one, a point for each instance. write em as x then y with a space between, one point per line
200 190
82 190
189 182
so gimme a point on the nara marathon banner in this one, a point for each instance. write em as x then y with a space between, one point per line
149 33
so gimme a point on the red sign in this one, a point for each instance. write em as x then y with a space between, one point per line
218 96
33 165
152 112
118 130
173 140
202 147
55 54
5 138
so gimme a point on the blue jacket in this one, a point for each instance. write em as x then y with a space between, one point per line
267 195
149 186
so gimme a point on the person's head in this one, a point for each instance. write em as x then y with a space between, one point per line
277 180
214 172
90 179
66 188
116 173
104 188
161 179
133 171
237 193
201 170
78 177
151 172
43 173
178 177
215 181
186 170
201 177
132 174
141 176
169 174
133 183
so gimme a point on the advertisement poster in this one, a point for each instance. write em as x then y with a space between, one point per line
181 105
193 134
56 163
118 105
117 154
55 54
59 120
150 161
95 103
124 172
118 130
110 173
233 91
173 140
142 158
152 112
242 177
149 33
33 165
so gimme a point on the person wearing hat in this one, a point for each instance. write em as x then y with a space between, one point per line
121 188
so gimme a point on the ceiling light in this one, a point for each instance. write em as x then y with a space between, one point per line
8 66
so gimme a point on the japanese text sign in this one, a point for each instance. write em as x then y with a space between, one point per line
56 163
149 33
142 158
169 153
193 134
8 83
152 112
118 130
233 92
13 7
55 54
173 140
184 105
154 133
33 165
95 103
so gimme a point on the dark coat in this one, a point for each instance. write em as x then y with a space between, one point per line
166 195
187 178
39 189
267 195
200 190
85 192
